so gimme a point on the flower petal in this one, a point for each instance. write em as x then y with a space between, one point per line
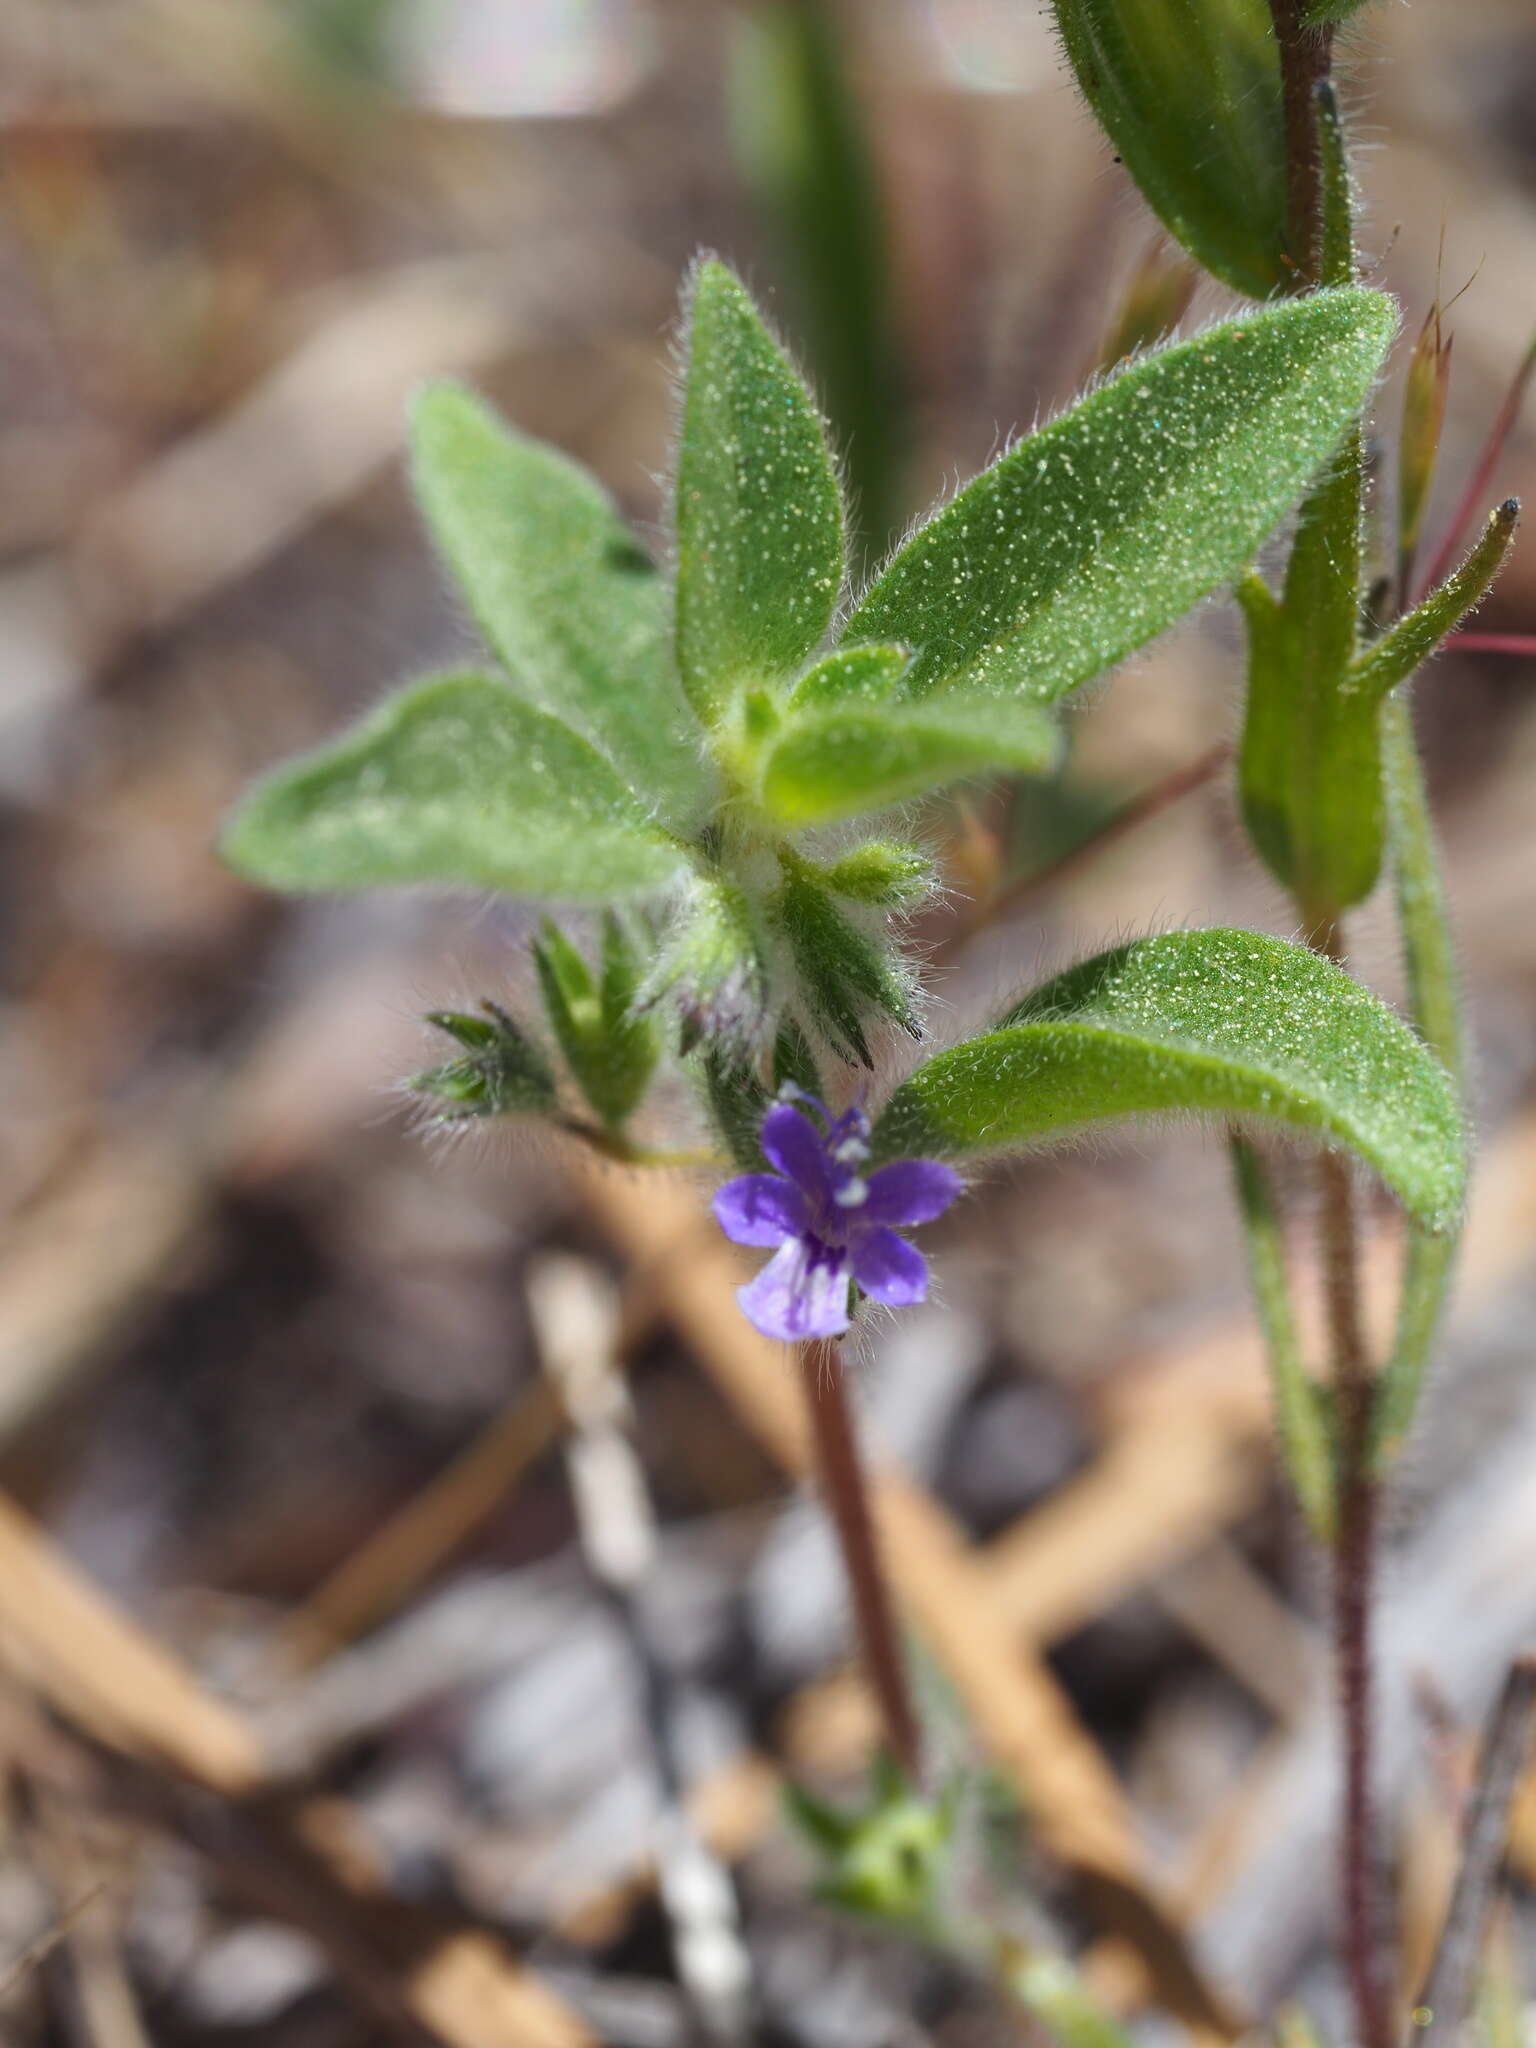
889 1269
910 1191
792 1143
760 1208
795 1297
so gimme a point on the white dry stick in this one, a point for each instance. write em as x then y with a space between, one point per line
577 1320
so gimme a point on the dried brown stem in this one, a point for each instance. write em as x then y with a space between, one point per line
1448 1996
1471 501
847 1495
1181 782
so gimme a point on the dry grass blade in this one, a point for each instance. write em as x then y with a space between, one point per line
397 1559
1448 1996
195 1766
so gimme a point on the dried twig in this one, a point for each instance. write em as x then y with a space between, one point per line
193 1764
1449 1993
577 1323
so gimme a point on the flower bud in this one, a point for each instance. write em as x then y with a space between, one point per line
609 1047
502 1071
1189 93
1424 397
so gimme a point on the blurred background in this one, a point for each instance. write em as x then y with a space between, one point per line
316 1726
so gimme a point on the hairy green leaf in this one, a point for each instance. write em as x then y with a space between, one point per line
1189 92
1407 645
1223 1022
1318 12
759 517
561 589
844 974
453 780
1097 532
1309 770
834 763
1310 764
860 675
610 1049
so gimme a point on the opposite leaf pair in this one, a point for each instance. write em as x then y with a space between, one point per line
706 744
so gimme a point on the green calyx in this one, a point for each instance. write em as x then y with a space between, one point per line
499 1071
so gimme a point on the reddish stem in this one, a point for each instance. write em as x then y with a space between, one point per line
1354 1576
1492 643
846 1489
1138 811
1472 498
1305 54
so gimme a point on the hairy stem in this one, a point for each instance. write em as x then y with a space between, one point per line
1354 1579
846 1489
1305 55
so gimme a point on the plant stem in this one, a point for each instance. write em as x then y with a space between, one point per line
1305 55
1450 1995
1354 1575
846 1489
1134 813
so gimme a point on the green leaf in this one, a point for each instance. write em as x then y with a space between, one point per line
824 765
1407 645
561 589
759 517
1301 1417
1094 534
610 1048
860 675
797 125
1309 771
843 973
1217 1022
1315 13
1189 92
1309 764
453 780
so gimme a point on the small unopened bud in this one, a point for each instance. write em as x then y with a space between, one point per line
502 1072
1424 399
882 873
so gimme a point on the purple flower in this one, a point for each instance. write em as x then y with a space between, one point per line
829 1220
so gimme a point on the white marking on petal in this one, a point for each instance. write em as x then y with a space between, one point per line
853 1194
